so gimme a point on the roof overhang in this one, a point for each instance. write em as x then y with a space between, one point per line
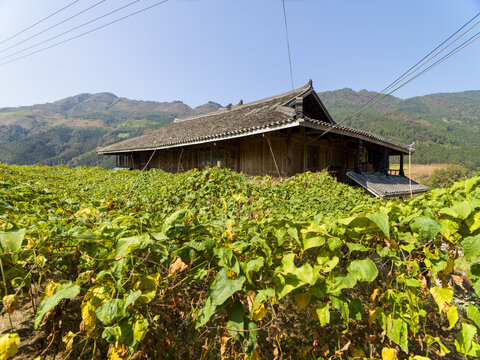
225 136
358 134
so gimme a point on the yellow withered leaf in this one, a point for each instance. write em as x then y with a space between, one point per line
259 313
10 302
389 354
230 235
255 356
50 288
176 266
9 345
374 294
89 317
68 340
302 300
371 316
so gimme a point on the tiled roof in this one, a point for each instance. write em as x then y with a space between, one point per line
386 186
256 117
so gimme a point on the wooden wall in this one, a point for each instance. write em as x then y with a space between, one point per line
285 152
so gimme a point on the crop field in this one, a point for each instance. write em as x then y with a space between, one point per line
211 264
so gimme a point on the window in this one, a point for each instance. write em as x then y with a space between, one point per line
209 156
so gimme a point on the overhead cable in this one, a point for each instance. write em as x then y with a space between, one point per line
53 26
38 22
70 30
380 96
288 43
87 32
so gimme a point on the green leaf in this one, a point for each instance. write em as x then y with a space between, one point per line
110 311
133 330
111 333
313 242
464 341
236 320
471 247
323 314
397 331
363 270
126 246
429 340
65 291
174 218
459 210
340 282
341 304
381 221
131 298
473 314
11 241
442 297
219 292
254 266
356 309
425 227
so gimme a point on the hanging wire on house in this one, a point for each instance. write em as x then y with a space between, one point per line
288 43
414 69
84 33
72 29
38 22
53 26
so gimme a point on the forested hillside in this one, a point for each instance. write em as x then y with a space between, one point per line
69 130
445 127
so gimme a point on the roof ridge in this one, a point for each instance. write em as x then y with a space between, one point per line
306 87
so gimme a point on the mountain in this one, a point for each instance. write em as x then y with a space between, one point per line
445 127
69 130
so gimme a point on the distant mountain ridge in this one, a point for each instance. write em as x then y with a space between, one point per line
445 126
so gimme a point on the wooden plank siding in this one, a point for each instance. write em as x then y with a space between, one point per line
294 152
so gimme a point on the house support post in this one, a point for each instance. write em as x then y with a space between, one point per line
358 157
180 161
401 172
288 166
385 162
273 156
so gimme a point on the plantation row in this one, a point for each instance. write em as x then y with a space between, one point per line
214 265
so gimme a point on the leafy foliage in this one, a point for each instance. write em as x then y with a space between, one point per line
213 264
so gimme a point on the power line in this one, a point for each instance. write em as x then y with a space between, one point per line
53 26
87 32
38 22
415 68
70 30
288 43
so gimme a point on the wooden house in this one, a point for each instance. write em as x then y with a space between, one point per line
279 136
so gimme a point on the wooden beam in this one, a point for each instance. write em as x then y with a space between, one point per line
273 156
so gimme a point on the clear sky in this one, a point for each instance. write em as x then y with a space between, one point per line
227 50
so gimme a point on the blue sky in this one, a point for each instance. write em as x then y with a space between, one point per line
227 50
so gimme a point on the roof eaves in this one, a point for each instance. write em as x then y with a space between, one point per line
253 130
353 131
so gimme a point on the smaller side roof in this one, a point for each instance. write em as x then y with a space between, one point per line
386 186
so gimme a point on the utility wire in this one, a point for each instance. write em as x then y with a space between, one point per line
288 43
72 29
413 69
87 32
51 27
38 22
